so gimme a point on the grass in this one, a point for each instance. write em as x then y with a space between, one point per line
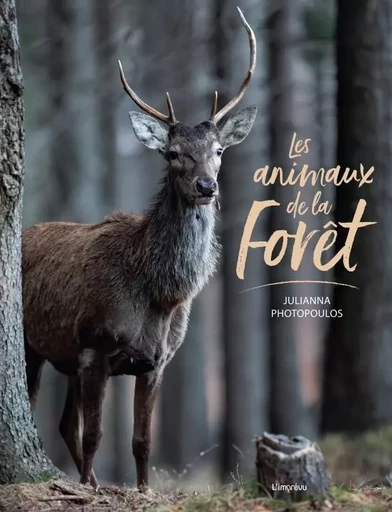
68 496
354 500
360 462
355 459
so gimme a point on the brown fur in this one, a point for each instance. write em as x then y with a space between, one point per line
114 297
115 289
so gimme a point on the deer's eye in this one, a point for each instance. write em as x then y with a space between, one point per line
172 155
219 151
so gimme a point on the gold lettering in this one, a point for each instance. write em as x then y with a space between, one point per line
256 209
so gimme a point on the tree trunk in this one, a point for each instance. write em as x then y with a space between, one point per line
73 176
21 455
288 412
64 163
58 201
245 315
290 468
184 426
107 93
358 384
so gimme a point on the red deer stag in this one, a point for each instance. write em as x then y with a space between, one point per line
114 298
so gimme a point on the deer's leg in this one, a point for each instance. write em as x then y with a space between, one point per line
146 391
34 365
93 380
71 425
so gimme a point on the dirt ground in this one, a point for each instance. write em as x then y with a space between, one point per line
66 495
60 495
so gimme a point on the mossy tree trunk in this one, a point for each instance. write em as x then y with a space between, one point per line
21 455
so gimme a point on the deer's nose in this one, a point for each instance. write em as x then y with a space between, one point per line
206 186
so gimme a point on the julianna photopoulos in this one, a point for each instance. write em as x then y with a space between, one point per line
301 312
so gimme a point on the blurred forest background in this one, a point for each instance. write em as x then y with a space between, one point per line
323 71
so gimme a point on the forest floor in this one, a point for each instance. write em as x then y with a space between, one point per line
60 495
361 467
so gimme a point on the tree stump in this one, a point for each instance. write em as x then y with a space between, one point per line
290 468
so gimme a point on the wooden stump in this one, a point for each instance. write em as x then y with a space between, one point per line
290 468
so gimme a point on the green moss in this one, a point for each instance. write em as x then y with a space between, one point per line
44 476
362 500
341 495
368 455
379 507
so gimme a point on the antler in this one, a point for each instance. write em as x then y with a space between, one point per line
216 117
170 119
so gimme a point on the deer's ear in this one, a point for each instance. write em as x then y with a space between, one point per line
149 131
237 127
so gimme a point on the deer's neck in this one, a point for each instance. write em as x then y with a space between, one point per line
180 245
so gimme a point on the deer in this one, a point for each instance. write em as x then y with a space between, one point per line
114 298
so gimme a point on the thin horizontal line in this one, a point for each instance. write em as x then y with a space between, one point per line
300 282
